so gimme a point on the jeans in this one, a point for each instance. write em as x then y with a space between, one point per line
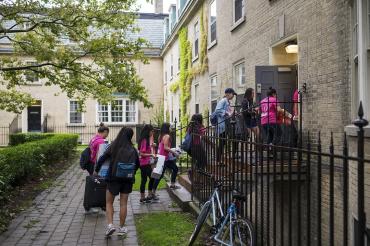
171 164
146 172
273 133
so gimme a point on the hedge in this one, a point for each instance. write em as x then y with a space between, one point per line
20 138
27 160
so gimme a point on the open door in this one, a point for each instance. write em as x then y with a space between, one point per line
34 118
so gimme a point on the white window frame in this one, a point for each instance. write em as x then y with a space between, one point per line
196 38
212 42
237 78
69 114
196 97
211 78
28 82
124 104
171 67
242 17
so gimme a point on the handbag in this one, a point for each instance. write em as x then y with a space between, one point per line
158 170
125 170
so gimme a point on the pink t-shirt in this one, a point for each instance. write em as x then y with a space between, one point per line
268 110
295 100
94 146
145 148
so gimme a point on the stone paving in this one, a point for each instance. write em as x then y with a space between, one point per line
57 217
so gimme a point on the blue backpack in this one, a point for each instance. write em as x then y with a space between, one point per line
213 119
186 144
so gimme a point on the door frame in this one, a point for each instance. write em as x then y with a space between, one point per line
25 116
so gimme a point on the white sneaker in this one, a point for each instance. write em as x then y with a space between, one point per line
94 210
122 231
110 230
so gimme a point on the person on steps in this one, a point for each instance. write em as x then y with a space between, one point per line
164 148
146 151
124 163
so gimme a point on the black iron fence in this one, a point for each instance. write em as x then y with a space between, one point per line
298 191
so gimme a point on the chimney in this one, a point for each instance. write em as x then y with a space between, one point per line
158 6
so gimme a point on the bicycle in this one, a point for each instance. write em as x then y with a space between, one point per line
230 227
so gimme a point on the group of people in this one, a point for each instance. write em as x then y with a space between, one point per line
123 150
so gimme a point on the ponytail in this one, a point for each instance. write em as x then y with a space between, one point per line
102 128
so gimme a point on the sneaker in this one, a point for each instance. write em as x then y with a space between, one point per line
94 210
122 231
142 200
154 197
110 230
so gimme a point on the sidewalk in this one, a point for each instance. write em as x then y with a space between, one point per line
57 217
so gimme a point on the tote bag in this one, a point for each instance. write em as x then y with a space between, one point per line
158 170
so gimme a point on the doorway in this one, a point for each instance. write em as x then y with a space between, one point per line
34 117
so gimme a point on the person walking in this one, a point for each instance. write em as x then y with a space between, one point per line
250 114
270 110
223 111
94 144
146 151
124 163
164 148
197 152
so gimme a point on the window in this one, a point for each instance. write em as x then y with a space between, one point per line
75 114
214 92
31 76
212 23
355 28
171 66
119 111
196 40
239 74
238 10
196 98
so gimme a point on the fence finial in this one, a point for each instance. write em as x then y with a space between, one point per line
361 122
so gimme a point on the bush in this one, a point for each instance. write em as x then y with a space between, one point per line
27 160
20 138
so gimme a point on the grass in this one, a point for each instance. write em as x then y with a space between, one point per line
81 147
165 228
136 186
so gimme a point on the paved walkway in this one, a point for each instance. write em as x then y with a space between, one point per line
57 217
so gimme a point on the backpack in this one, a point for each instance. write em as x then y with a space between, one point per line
213 119
85 158
124 166
186 144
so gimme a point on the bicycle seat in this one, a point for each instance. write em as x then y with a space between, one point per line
238 197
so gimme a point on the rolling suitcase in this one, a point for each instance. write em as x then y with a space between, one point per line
95 189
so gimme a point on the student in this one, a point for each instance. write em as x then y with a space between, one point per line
164 148
94 144
223 112
249 113
120 151
146 151
269 111
197 150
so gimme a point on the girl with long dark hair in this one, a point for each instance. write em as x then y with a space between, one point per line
164 148
121 152
146 151
197 128
250 113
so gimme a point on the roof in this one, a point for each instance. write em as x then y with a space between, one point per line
151 29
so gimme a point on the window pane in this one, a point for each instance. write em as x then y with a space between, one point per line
240 74
31 76
117 111
196 39
196 91
130 111
103 113
213 17
74 115
214 94
238 10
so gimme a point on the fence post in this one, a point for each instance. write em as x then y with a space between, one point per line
361 216
175 143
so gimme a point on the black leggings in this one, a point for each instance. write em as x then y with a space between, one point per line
171 165
272 133
146 172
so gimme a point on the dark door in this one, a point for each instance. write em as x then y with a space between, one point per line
282 78
34 118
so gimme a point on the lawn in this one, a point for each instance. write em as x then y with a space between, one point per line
165 228
136 187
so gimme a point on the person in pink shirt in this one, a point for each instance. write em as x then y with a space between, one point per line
269 117
97 140
146 150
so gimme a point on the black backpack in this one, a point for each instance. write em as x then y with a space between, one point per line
85 158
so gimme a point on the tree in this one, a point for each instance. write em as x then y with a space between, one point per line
58 35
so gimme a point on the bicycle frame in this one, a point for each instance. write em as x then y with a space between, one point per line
230 216
215 201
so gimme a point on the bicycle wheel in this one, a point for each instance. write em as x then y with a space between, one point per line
200 221
242 233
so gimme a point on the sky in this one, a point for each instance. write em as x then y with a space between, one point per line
149 8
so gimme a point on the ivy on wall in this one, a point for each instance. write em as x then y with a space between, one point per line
187 71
